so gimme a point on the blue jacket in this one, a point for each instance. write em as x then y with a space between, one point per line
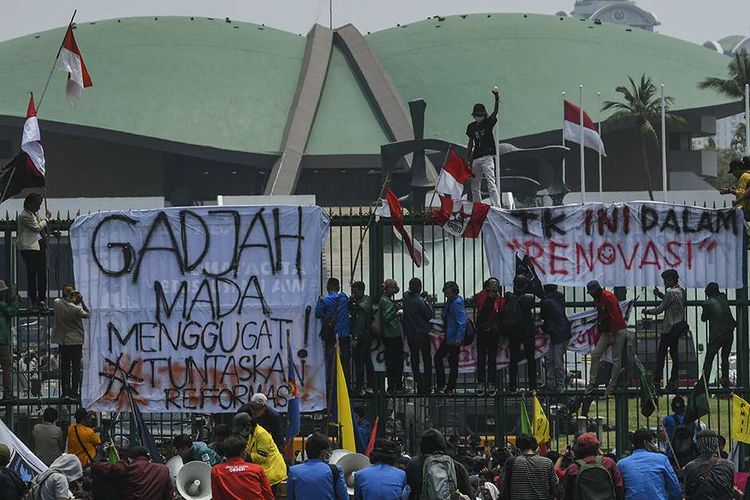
313 480
324 310
649 475
379 482
202 453
455 320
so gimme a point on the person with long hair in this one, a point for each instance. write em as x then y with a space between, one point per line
32 243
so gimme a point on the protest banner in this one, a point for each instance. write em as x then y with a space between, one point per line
192 308
624 244
22 460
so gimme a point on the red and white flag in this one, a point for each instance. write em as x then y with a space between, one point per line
31 141
572 131
71 61
392 209
453 176
461 218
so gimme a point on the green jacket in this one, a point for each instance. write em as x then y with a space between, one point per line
391 321
361 316
7 311
717 313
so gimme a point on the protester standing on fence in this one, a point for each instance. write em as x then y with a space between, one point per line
137 477
612 333
82 438
12 486
417 315
482 150
382 480
721 325
709 477
647 474
489 304
517 323
557 326
433 455
32 243
529 476
47 437
740 169
237 479
360 316
8 309
600 479
394 345
70 311
315 478
454 325
333 309
266 417
674 327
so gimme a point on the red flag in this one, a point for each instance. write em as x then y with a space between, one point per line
373 436
461 218
453 176
397 216
71 61
31 141
572 130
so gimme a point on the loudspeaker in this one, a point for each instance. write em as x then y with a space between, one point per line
350 463
194 481
174 465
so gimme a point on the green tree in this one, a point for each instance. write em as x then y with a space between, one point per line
641 106
739 76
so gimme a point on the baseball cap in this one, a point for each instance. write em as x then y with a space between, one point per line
259 399
240 423
587 439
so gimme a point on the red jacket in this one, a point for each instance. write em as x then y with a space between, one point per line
610 312
236 479
137 479
497 307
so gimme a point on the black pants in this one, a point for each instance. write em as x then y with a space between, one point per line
667 342
452 352
514 344
36 274
394 362
723 343
70 369
420 348
363 371
487 358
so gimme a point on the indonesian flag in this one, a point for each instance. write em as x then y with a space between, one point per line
572 131
71 61
453 176
461 218
392 209
31 141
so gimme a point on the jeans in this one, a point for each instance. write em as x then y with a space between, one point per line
554 366
345 352
363 370
723 343
6 364
452 352
36 274
484 165
394 362
616 340
529 345
487 358
667 342
70 369
420 348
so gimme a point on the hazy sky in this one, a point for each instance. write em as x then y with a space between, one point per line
695 20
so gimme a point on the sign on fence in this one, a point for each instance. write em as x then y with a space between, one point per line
192 308
628 244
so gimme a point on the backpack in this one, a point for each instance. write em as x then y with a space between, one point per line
469 333
35 490
439 478
512 320
682 442
594 482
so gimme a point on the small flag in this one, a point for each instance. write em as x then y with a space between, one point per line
697 405
344 410
393 209
460 218
525 267
740 419
572 129
541 423
31 141
114 457
525 423
292 415
648 393
71 61
373 437
453 176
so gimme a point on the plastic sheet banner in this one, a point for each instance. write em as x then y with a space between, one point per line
192 308
624 244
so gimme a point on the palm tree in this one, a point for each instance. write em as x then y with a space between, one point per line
739 76
641 106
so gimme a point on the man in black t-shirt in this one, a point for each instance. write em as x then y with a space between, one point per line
482 150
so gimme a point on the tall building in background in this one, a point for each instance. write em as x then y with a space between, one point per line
615 11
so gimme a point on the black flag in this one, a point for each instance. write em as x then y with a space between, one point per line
17 176
525 268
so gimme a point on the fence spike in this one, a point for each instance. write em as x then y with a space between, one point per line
67 215
7 215
58 215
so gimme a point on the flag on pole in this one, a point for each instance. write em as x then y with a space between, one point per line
71 62
344 410
460 218
16 176
453 176
541 423
648 393
572 128
740 419
525 423
292 415
392 209
697 405
525 267
144 435
373 437
22 460
31 141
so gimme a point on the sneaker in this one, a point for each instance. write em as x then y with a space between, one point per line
439 389
480 391
449 390
9 397
42 307
610 390
491 391
369 391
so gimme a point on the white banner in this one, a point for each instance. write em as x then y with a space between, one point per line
192 307
628 244
22 460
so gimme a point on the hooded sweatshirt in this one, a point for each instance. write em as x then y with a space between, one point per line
54 483
432 441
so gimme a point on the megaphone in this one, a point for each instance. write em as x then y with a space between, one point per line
174 465
350 463
194 481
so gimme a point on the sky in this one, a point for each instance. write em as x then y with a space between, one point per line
693 20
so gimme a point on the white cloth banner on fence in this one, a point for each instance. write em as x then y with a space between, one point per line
193 307
624 244
584 336
22 460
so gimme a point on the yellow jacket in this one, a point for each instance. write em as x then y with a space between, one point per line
263 451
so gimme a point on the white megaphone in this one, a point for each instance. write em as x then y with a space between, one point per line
350 463
174 465
194 481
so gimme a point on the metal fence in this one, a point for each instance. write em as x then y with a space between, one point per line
405 416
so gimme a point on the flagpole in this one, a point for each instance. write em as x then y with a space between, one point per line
367 227
583 166
601 190
663 143
54 64
498 184
747 119
563 140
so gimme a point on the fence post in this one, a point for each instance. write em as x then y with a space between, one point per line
621 397
377 276
743 357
